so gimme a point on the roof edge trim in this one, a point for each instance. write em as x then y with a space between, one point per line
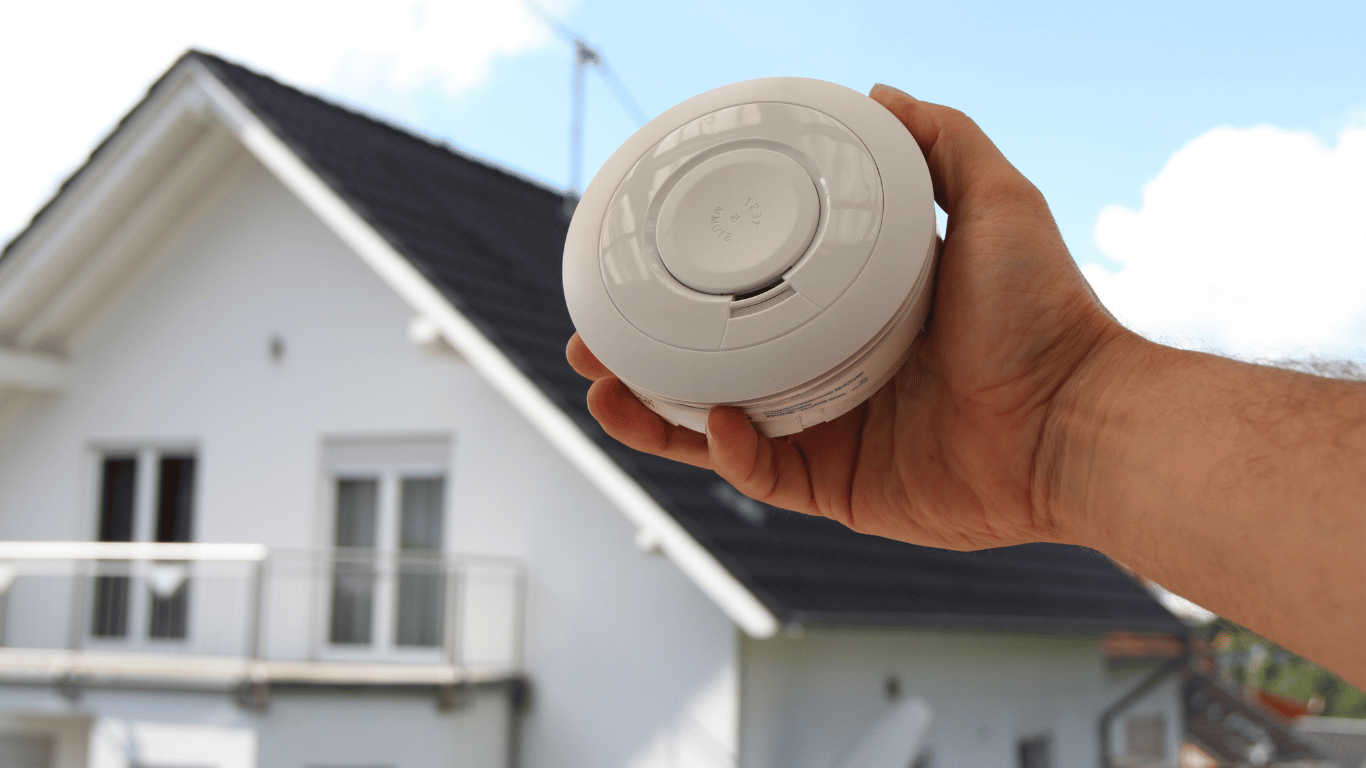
714 579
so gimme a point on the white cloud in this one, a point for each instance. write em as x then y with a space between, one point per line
1250 242
68 71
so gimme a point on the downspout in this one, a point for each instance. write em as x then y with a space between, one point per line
1108 715
519 698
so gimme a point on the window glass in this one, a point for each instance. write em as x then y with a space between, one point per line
118 494
118 489
175 498
1035 752
388 529
353 571
421 598
169 613
357 505
23 750
421 508
1146 736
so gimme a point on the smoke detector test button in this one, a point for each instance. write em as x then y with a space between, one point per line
737 221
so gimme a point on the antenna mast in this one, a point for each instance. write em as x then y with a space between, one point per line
585 56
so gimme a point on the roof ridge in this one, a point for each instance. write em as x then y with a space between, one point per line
404 132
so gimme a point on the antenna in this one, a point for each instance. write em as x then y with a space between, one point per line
585 56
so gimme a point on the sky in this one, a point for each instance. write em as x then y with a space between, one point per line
1206 161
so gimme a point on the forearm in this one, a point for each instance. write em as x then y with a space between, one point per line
1241 487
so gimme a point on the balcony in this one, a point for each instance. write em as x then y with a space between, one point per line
242 615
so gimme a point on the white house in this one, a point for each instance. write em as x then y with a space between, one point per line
293 474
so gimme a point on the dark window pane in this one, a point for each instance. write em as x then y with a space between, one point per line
109 594
357 505
169 593
421 593
170 614
353 571
353 599
420 513
27 750
1035 753
175 499
109 607
421 597
118 484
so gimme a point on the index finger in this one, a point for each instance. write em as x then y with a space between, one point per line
583 361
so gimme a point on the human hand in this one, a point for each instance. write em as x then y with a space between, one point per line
956 451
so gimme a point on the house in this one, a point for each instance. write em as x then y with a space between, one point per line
1230 728
1343 739
293 473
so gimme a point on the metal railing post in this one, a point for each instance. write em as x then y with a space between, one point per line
448 613
255 619
78 607
519 618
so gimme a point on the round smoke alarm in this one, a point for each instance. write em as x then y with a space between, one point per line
768 245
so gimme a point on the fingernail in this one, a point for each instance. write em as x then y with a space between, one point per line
898 91
706 430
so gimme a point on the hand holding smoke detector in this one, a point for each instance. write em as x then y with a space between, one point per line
768 245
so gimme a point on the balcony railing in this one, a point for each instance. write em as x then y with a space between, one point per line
247 602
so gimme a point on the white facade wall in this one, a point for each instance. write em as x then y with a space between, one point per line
131 728
304 729
623 653
809 699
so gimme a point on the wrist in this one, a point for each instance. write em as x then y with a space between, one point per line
1079 473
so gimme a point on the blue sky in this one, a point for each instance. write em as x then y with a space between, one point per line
1093 101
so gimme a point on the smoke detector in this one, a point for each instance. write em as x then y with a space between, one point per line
768 245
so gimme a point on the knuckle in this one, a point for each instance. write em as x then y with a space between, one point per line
1010 191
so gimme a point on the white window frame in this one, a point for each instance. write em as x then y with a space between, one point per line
147 455
389 460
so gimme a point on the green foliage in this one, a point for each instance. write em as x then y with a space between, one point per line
1249 658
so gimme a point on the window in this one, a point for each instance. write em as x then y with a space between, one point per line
388 584
420 598
118 489
122 517
1035 752
1146 736
353 590
175 507
27 750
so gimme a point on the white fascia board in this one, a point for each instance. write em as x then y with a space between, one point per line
104 180
484 356
32 370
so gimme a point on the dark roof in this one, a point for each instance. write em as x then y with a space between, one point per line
491 242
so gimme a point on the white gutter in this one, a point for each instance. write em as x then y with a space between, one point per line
484 356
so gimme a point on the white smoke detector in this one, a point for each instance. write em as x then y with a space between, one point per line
768 245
